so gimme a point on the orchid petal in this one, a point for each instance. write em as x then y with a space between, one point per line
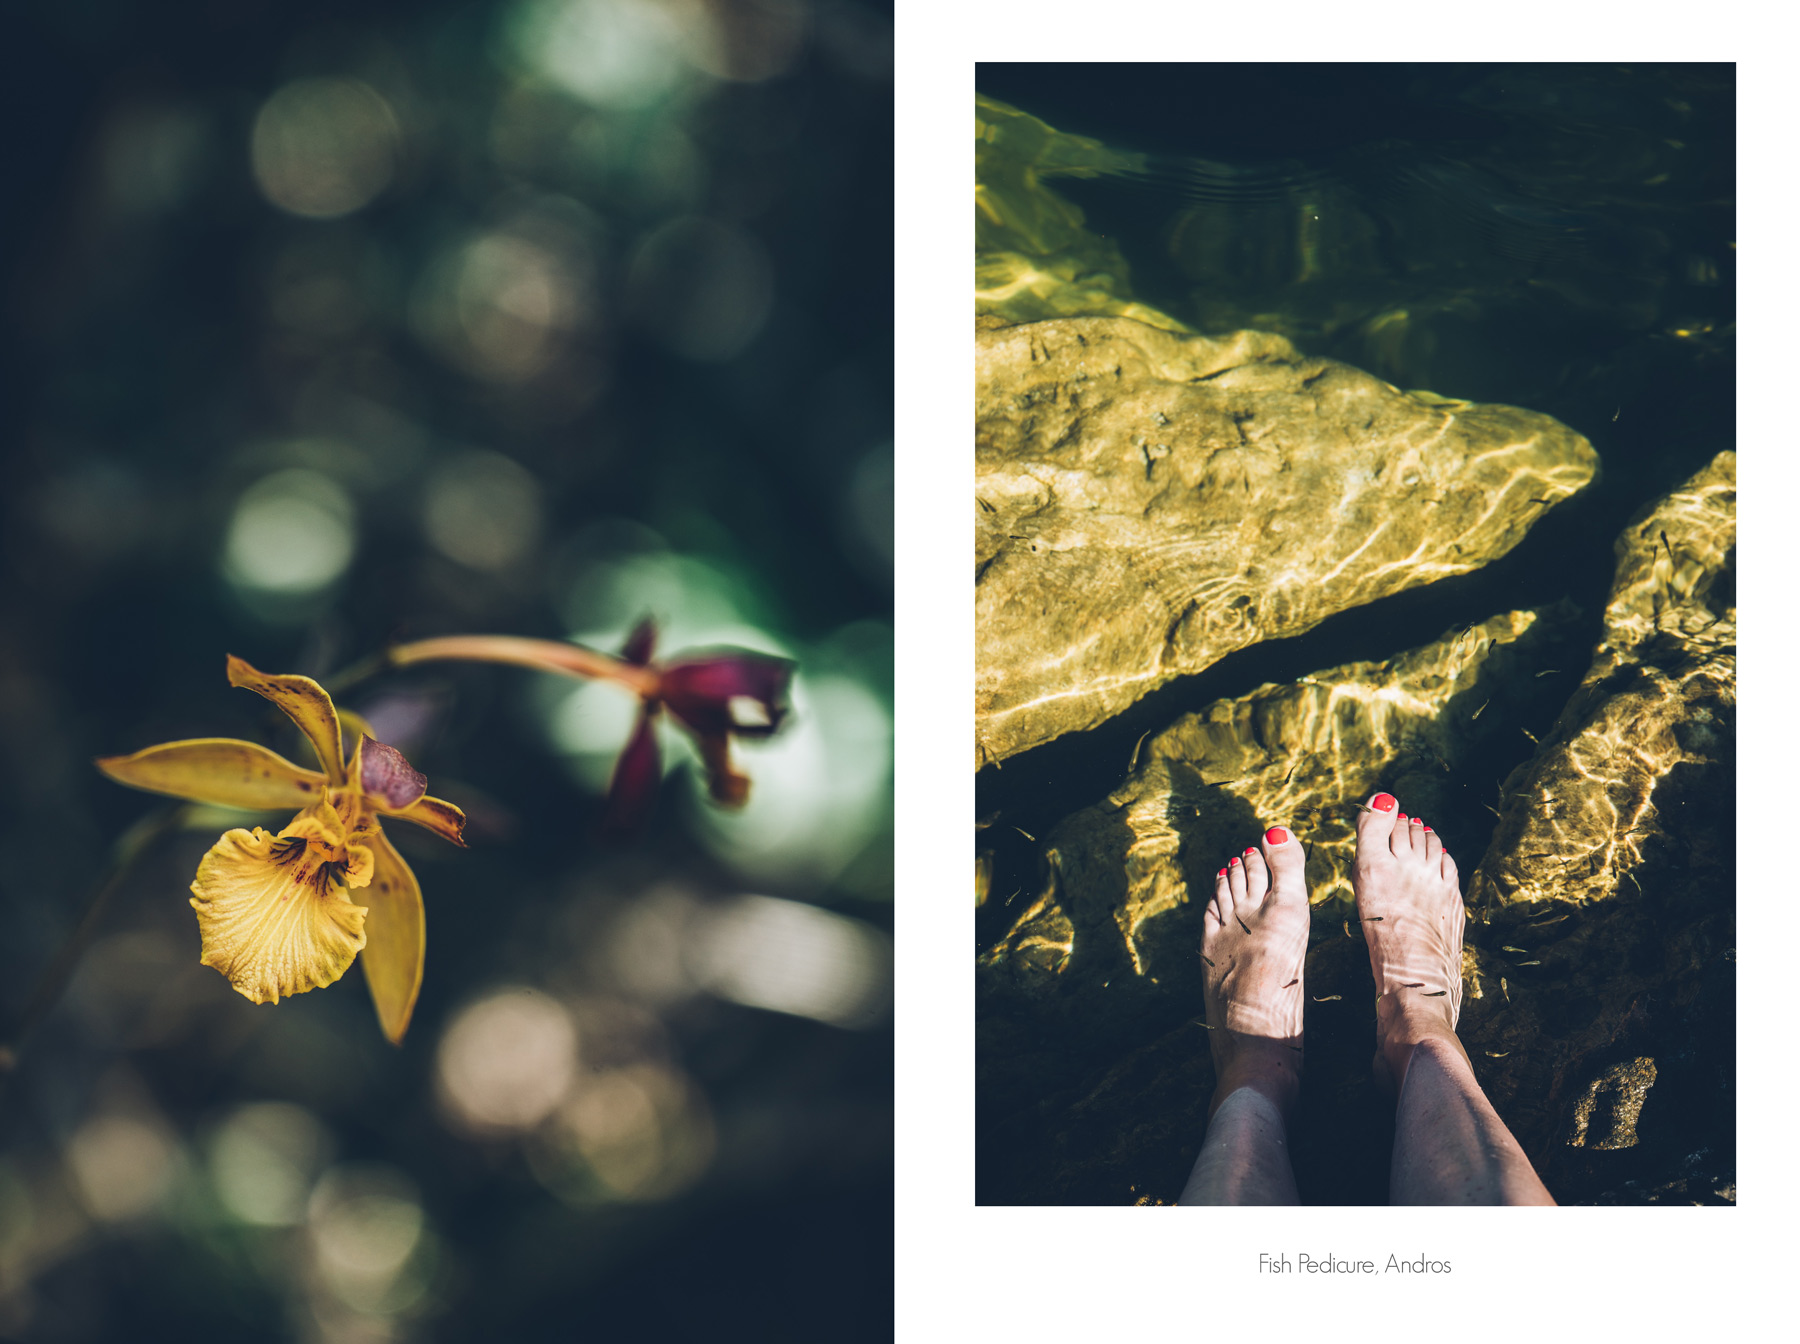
640 646
275 914
634 781
728 787
699 691
387 776
218 770
394 958
434 814
305 702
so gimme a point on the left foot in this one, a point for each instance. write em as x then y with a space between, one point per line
1253 939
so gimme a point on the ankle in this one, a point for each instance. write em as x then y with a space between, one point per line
1404 1022
1267 1067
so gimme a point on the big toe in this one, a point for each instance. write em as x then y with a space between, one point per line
1375 826
1287 864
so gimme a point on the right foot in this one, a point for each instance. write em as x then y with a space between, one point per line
1253 941
1412 919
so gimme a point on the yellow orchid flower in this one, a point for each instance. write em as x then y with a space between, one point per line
275 911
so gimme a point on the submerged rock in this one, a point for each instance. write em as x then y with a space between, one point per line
1599 1007
1613 866
1148 503
1090 1061
1034 257
1583 814
1127 879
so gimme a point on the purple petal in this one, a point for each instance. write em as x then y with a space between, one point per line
640 647
700 690
387 775
634 781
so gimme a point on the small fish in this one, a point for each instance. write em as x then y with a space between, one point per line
1027 834
1329 998
1503 992
1665 542
1290 984
1240 919
1347 932
984 504
1634 881
1296 1049
1527 733
1497 1054
1494 810
1615 420
1358 806
1208 960
1477 713
1505 948
1199 1023
1549 672
1373 919
1531 963
1134 750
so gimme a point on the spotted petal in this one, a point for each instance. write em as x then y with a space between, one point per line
434 814
304 701
219 770
275 914
394 959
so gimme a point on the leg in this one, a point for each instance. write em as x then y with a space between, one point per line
1253 940
1449 1145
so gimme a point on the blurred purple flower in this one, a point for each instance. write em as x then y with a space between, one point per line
715 694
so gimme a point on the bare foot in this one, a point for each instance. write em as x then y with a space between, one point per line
1412 919
1254 943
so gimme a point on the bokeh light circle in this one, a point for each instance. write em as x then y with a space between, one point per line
322 148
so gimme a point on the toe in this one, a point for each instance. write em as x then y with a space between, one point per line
1234 870
1434 847
1256 876
1374 826
1286 860
1447 866
1401 842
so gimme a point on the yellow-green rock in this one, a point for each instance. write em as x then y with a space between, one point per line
1148 502
1660 693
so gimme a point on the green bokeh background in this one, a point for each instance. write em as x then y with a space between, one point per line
587 316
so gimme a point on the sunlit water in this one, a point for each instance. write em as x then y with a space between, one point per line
1556 238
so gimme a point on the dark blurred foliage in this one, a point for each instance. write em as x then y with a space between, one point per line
328 325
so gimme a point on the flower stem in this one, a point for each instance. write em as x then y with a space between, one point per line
544 655
131 847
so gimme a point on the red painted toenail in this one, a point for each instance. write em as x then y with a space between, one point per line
1277 835
1221 872
1237 860
1248 853
1402 816
1382 802
1427 828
